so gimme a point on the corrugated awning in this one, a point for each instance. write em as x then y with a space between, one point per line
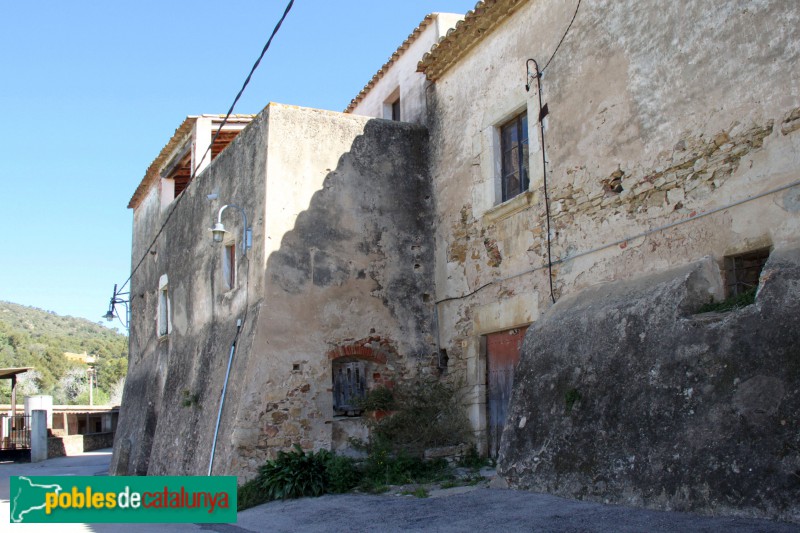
8 373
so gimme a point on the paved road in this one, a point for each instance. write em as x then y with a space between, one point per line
453 510
87 464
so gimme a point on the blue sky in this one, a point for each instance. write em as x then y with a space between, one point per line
92 90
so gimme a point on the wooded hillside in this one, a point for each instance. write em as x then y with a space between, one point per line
37 338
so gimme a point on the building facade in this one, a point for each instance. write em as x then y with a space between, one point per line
339 207
539 149
655 156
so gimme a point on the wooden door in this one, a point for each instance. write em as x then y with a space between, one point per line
502 355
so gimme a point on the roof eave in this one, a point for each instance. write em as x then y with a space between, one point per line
427 21
487 16
177 140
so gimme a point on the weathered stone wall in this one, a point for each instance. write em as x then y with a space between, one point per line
174 382
625 395
341 209
666 141
348 276
60 446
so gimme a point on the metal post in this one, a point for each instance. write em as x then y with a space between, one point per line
222 399
13 400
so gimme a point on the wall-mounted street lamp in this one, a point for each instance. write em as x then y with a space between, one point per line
118 299
219 231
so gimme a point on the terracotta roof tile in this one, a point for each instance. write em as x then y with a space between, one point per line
430 18
477 24
178 139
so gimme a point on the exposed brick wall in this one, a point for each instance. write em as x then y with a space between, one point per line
690 171
373 349
384 364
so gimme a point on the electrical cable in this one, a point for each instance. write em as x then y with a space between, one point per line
544 173
542 113
562 38
224 121
624 240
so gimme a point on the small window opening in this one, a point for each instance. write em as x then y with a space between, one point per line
180 185
743 271
177 175
163 311
349 387
229 265
391 105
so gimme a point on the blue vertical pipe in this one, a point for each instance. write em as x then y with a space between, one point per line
222 399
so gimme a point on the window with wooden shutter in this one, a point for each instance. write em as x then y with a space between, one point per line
349 387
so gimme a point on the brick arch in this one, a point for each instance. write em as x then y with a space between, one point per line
375 352
373 349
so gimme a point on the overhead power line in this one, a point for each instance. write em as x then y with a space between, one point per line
205 154
577 7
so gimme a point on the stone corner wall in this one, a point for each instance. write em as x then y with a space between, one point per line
66 445
624 395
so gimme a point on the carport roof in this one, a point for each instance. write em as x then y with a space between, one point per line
6 373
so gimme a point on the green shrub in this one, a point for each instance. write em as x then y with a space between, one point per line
383 467
249 495
188 399
342 474
419 492
428 414
473 460
295 474
378 399
743 299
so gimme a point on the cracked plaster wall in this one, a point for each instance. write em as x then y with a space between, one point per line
340 207
657 114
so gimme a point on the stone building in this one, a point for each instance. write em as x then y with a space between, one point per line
594 164
340 211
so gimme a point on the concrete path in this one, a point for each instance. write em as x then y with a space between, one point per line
453 510
87 464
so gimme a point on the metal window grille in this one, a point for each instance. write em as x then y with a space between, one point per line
349 386
743 271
